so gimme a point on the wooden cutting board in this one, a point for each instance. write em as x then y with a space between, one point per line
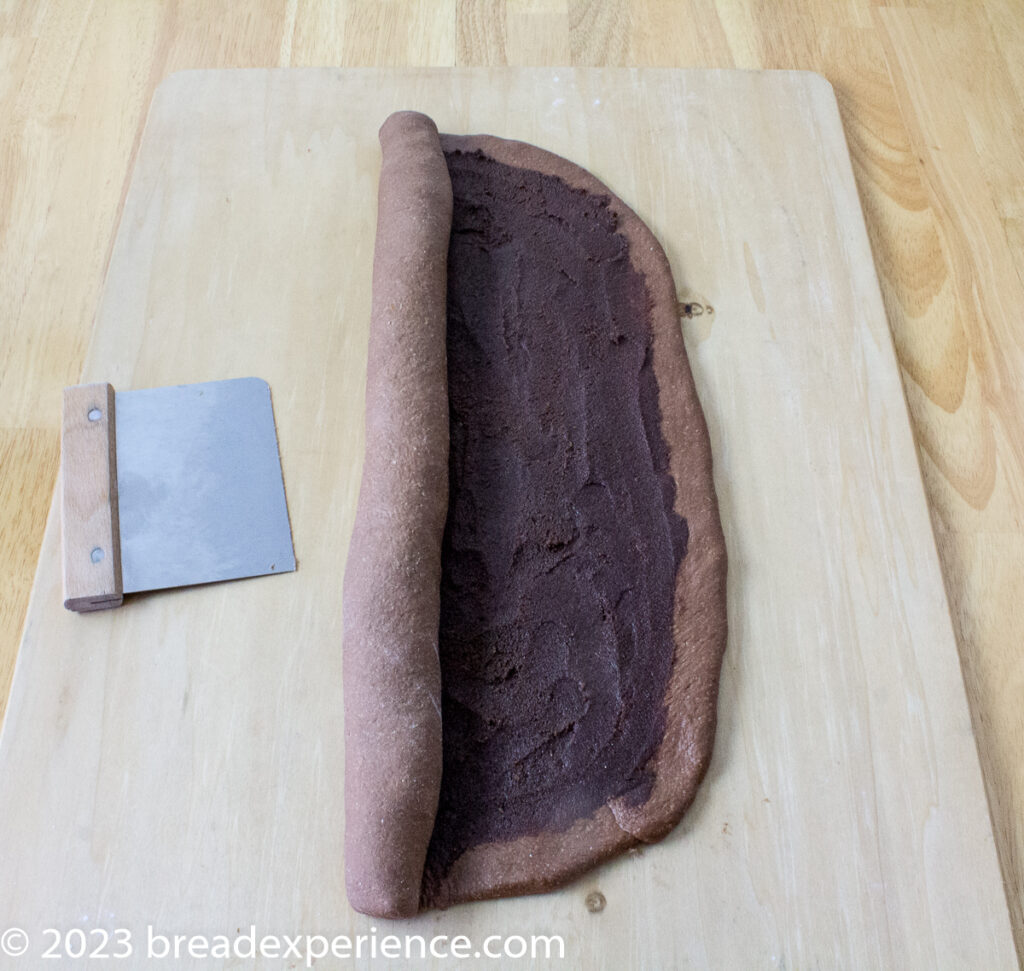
178 762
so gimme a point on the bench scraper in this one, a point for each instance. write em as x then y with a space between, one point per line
168 487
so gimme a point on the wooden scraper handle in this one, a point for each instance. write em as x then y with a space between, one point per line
89 522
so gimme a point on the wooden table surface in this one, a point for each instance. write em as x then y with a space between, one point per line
932 99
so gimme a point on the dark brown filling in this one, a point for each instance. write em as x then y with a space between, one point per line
561 547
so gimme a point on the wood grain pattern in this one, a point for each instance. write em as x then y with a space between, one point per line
843 819
931 101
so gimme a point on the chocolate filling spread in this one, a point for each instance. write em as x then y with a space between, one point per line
561 546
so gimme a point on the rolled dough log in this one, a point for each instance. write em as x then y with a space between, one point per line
392 583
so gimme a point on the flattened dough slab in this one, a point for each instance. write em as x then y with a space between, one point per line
627 758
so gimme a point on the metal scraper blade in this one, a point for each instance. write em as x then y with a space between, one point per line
199 485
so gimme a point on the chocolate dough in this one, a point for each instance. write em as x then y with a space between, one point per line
582 605
562 545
